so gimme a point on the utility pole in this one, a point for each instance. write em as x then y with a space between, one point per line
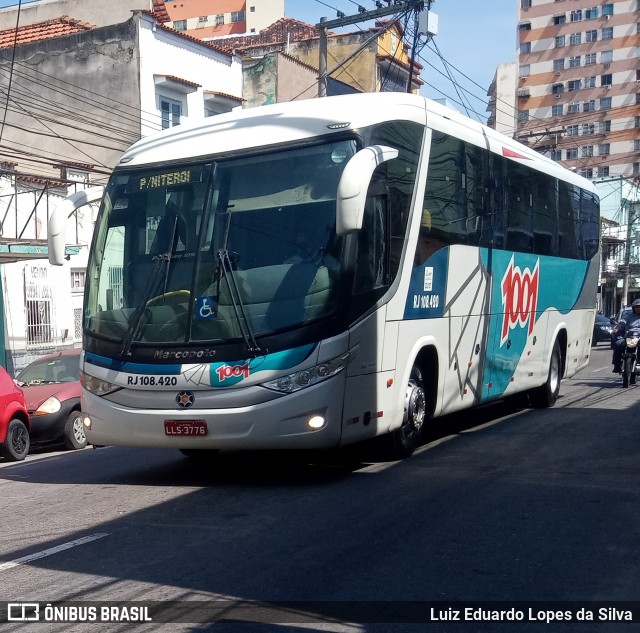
362 16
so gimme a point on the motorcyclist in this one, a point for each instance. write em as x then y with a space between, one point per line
630 320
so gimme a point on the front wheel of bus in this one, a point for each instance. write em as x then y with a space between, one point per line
547 394
404 440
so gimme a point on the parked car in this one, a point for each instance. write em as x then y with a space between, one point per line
602 328
14 420
51 386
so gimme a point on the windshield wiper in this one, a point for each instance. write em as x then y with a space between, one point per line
226 269
161 262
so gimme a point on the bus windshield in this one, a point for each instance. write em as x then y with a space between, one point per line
221 251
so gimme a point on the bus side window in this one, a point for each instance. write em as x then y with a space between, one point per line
445 195
519 211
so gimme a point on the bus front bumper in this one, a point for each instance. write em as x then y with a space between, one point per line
307 419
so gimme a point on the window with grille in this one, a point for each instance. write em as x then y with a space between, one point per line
589 106
572 153
604 149
237 16
576 16
78 276
604 126
180 25
219 19
603 171
574 62
606 57
589 58
591 14
557 110
575 38
525 47
38 307
605 103
589 82
607 9
573 108
592 36
572 130
558 64
560 41
587 151
607 33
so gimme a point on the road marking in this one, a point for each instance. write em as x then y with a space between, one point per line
52 550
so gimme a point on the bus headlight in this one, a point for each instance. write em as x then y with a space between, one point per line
307 377
97 386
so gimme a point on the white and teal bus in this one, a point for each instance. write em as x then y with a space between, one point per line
313 274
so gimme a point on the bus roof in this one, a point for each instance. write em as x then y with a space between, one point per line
292 121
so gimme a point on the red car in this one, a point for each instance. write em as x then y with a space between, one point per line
14 420
51 386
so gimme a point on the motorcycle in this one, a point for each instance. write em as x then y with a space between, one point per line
630 364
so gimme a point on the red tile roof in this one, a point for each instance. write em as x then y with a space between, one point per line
160 11
277 33
56 27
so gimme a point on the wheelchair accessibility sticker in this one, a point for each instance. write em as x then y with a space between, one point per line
206 308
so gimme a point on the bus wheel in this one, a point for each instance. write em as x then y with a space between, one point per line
547 394
404 440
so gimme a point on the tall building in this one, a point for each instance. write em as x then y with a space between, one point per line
206 19
578 92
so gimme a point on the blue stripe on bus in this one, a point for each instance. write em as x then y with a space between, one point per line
131 368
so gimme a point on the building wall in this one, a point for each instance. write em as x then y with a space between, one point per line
360 72
165 53
559 46
502 100
96 12
262 13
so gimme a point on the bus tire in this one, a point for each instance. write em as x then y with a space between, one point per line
401 442
547 394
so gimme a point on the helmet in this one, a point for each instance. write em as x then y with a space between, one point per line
635 305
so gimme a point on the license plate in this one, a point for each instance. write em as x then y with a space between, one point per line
185 428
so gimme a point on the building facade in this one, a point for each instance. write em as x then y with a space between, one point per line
206 19
578 90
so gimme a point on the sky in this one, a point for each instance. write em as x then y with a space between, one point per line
473 38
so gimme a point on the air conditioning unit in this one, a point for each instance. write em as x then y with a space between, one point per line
557 96
607 87
607 65
607 17
558 74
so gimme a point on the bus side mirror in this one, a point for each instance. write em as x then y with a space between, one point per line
57 224
354 183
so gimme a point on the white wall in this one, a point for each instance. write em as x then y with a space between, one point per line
166 53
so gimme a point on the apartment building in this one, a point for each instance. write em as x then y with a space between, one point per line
206 19
578 85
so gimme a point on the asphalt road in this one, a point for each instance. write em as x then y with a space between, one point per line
501 504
